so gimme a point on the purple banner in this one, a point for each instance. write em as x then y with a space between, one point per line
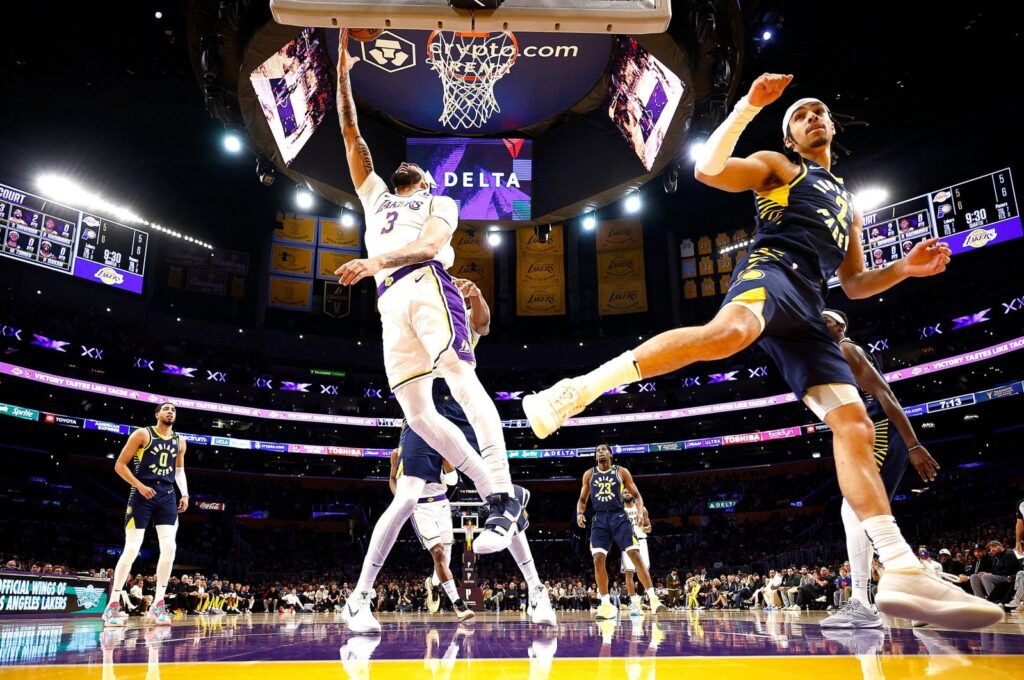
983 236
115 278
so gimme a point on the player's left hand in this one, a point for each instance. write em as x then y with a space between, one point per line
354 271
925 465
183 504
929 257
467 288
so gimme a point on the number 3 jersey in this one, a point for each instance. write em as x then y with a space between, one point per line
155 462
806 222
393 221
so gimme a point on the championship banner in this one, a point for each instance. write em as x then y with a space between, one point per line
291 260
540 273
329 260
24 594
474 260
335 235
295 229
621 279
288 293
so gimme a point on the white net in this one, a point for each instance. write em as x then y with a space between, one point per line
469 65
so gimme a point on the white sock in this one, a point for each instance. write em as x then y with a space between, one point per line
435 580
451 591
858 549
161 590
387 528
605 599
484 418
892 548
634 600
520 550
117 596
619 371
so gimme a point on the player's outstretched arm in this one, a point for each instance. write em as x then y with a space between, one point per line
758 172
872 382
360 163
136 441
433 236
928 258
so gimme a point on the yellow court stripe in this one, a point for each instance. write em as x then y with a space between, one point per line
690 668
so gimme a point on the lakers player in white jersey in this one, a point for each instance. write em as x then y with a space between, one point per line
425 331
641 522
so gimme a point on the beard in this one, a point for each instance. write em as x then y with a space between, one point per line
406 177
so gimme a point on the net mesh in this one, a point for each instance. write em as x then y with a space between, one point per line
469 65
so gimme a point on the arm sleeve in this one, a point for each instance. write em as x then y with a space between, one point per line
1020 509
179 478
370 190
444 208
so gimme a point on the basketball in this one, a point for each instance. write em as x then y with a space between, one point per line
364 34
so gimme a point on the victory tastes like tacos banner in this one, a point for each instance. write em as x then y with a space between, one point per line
540 274
621 280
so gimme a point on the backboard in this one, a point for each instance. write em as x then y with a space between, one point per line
632 17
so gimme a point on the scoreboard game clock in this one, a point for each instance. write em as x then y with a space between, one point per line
47 234
967 216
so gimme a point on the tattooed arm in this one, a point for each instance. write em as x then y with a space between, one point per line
360 163
432 238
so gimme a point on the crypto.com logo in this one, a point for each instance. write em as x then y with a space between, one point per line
389 52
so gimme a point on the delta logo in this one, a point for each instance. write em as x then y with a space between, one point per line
979 238
109 276
621 267
540 271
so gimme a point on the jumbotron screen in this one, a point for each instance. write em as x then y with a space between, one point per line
643 95
490 179
46 234
967 216
294 90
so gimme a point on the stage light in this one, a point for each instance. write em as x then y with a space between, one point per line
766 36
633 202
303 198
697 145
266 172
346 219
232 142
869 199
590 221
494 239
158 15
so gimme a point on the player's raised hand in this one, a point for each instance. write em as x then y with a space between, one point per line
927 258
345 60
354 271
767 88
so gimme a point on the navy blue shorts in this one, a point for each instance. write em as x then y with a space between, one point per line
416 456
160 509
891 455
795 335
609 528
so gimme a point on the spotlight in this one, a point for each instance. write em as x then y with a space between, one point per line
158 15
232 142
590 221
542 232
766 36
493 237
303 198
697 143
633 202
265 171
346 219
871 198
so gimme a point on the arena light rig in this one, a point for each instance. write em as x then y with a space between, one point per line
71 193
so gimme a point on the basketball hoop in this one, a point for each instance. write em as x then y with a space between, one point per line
469 65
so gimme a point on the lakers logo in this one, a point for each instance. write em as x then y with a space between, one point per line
979 238
750 275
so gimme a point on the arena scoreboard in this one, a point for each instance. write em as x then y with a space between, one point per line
47 234
967 216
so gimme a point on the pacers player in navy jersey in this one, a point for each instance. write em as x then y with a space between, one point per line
807 230
896 444
604 486
152 461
